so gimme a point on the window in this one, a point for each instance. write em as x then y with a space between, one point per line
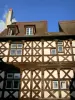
17 76
29 31
60 46
55 84
13 80
16 84
63 84
9 84
10 75
53 51
12 29
16 49
12 84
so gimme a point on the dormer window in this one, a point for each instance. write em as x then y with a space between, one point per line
29 31
12 30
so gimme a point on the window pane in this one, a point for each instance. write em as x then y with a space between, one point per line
29 31
13 52
60 43
16 84
63 85
19 52
60 49
53 51
17 76
55 84
9 75
19 45
9 84
13 45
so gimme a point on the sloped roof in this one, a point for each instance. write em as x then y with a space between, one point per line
68 27
41 27
65 28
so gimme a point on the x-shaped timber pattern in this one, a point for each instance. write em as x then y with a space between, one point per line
38 83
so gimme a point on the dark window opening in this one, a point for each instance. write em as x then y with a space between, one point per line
9 84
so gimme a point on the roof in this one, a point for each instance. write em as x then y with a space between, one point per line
68 27
41 27
65 28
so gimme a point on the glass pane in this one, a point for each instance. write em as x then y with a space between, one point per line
13 45
63 85
17 76
27 30
27 33
60 43
9 84
13 52
53 51
55 84
19 45
16 84
60 49
31 29
9 75
19 52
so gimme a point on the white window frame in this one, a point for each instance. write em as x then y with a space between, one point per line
54 84
17 50
21 45
13 53
16 47
60 44
28 31
64 85
12 45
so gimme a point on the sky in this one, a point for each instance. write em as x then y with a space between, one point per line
52 11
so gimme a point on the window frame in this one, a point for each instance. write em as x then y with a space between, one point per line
7 83
51 51
61 86
60 44
17 74
12 80
54 86
30 26
9 74
18 84
30 31
12 30
15 47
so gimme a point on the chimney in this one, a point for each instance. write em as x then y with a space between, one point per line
9 17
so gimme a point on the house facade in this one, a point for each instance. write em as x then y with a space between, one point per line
35 63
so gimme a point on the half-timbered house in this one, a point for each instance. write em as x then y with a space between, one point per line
36 64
